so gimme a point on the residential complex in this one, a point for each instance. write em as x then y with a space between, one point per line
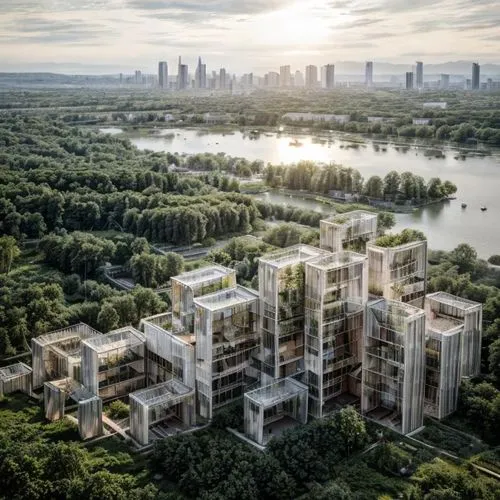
420 75
328 327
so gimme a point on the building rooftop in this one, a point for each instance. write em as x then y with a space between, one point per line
406 237
444 325
116 339
396 308
337 260
164 393
349 217
277 392
209 273
453 300
224 299
292 255
76 391
79 331
13 371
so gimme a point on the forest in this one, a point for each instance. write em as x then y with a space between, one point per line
469 116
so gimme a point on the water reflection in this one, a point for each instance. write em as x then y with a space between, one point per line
447 225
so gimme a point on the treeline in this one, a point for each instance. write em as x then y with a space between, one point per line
315 178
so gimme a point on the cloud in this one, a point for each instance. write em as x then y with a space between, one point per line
218 7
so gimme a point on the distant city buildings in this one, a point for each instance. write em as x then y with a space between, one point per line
182 76
311 76
163 74
298 80
272 79
409 80
476 78
420 75
222 78
285 76
328 76
369 74
200 75
444 82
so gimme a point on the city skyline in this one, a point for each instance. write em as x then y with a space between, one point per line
257 36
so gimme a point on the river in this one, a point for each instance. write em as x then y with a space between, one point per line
446 225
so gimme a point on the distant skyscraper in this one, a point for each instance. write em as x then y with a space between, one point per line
121 78
420 75
329 70
222 78
272 79
200 75
369 74
298 80
311 76
163 74
284 76
409 80
475 76
182 76
445 81
138 76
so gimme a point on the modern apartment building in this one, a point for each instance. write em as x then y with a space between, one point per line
282 295
349 231
398 271
226 331
58 354
336 291
187 286
468 312
113 365
393 370
328 76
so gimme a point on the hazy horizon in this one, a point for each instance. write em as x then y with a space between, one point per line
254 36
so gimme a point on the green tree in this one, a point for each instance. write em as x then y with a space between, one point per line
9 251
351 427
464 256
108 319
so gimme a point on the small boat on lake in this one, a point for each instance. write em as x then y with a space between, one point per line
483 209
464 205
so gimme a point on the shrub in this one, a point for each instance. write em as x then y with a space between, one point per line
118 410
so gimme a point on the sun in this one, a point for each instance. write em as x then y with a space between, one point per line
301 24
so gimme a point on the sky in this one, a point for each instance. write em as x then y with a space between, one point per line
245 35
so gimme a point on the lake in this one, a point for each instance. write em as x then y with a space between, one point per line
446 224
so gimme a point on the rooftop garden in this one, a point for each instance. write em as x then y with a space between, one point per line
404 237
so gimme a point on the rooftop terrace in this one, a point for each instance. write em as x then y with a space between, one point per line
13 371
405 237
336 260
277 392
166 392
348 217
116 339
452 300
224 299
79 331
292 255
444 325
209 273
396 308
